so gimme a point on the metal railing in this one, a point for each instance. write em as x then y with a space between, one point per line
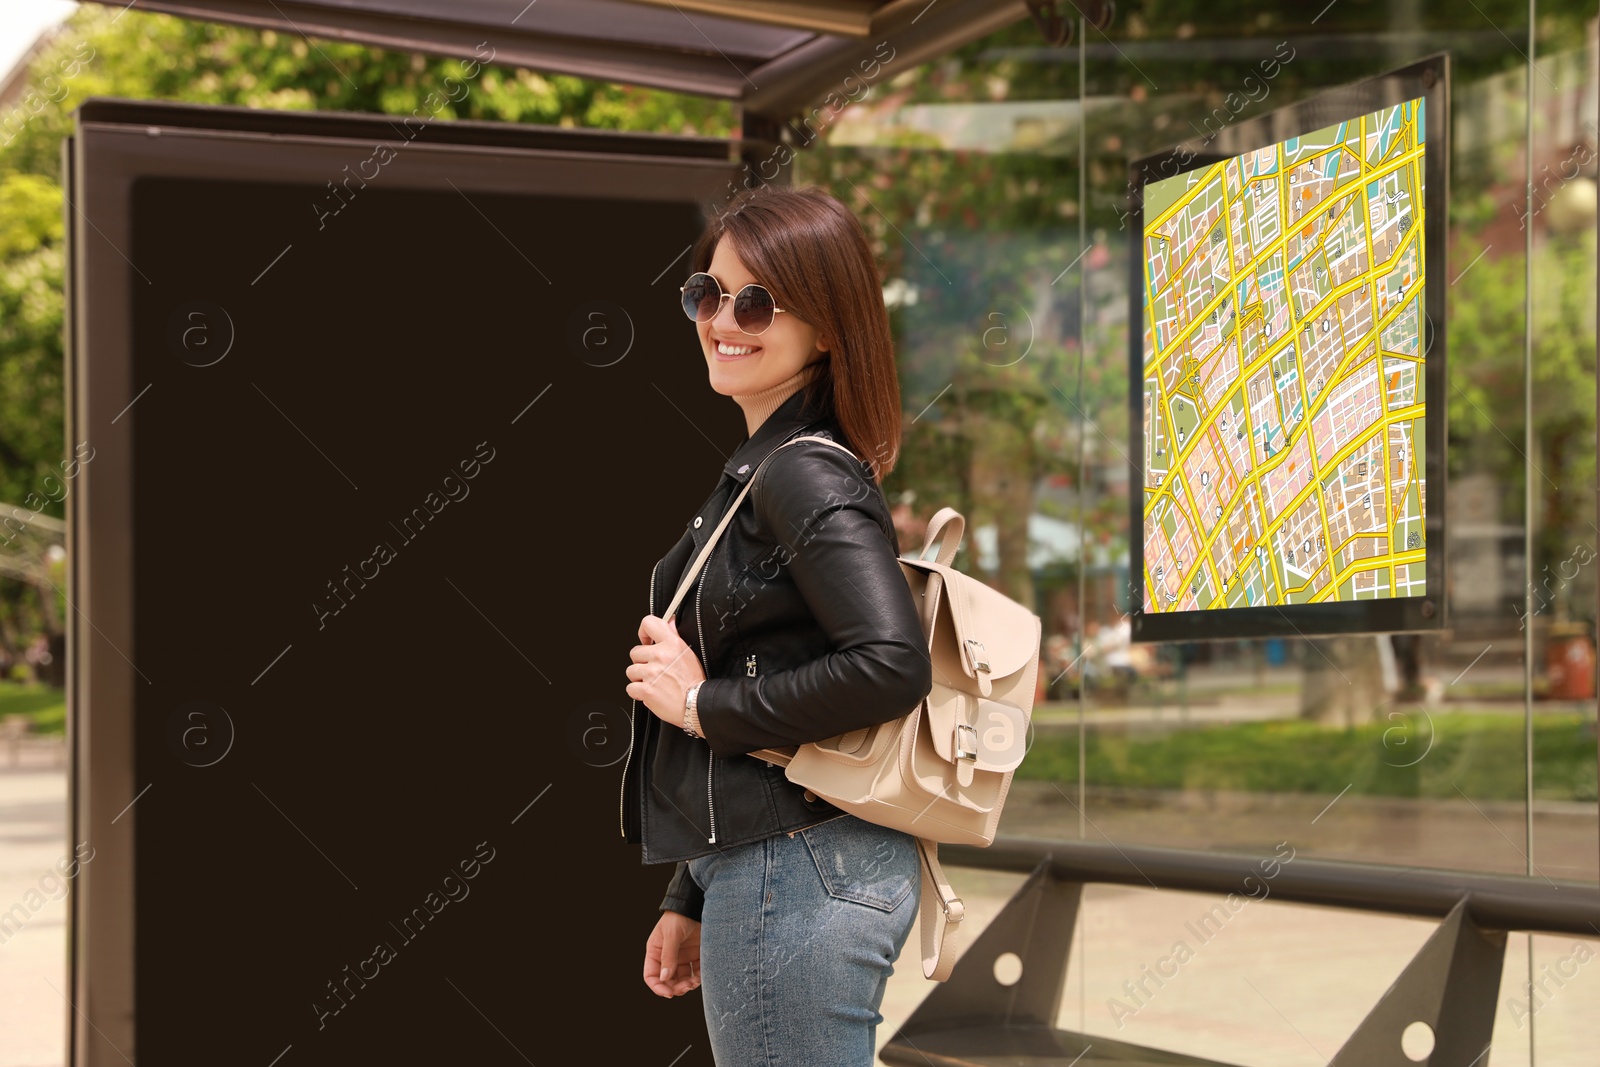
1450 985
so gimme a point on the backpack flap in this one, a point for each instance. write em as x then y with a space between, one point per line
984 647
942 774
974 733
995 636
927 587
980 640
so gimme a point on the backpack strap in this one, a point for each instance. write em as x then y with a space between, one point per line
688 579
945 528
941 910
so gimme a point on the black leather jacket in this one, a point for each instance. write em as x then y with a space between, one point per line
809 630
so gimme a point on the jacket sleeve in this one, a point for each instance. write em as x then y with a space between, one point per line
822 512
683 894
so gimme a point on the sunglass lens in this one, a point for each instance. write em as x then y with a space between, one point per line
752 309
701 295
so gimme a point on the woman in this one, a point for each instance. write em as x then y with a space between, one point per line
785 911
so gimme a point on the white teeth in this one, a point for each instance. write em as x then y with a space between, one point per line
734 350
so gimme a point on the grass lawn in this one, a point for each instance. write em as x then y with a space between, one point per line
1482 754
47 707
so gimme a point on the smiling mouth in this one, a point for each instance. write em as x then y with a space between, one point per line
724 349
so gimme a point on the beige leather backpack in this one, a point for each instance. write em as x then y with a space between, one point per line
941 771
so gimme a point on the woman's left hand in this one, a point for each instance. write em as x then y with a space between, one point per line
663 669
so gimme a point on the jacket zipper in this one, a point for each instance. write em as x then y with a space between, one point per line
622 800
700 638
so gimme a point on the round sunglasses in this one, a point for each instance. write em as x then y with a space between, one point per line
752 305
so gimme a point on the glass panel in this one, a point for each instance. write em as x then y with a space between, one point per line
1558 222
1009 293
1552 1004
1403 750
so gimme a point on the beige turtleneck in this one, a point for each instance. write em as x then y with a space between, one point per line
758 405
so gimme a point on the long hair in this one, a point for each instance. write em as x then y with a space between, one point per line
810 251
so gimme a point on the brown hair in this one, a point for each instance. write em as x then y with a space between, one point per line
812 255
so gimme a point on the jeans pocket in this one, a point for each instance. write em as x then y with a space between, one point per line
862 862
697 869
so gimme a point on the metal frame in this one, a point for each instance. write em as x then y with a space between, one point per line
116 142
642 54
1451 984
723 295
1429 80
796 82
852 17
805 82
1507 902
753 64
804 76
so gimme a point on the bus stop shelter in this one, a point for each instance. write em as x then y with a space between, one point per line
226 214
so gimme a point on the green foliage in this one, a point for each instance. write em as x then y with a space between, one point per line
114 51
45 705
30 214
32 422
1480 753
981 239
1488 392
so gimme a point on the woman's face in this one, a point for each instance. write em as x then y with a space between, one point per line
767 358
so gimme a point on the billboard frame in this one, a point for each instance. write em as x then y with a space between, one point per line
1429 80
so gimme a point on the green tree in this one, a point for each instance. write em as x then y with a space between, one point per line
112 51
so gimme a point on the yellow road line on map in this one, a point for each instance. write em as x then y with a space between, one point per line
1368 564
1313 483
1161 399
1343 367
1190 194
1284 233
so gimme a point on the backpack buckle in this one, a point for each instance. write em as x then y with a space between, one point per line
964 748
980 658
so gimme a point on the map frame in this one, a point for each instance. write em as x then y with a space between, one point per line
1427 79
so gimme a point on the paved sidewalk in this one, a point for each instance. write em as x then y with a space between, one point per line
33 837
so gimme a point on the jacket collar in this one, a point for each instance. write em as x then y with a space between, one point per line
785 422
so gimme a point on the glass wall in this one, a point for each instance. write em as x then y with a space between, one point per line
995 182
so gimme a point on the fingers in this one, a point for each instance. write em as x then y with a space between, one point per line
654 674
669 959
688 978
679 971
684 978
652 965
641 678
657 631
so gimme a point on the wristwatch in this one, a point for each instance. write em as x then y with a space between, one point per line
691 713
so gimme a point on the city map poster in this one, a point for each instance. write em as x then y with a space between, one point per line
1284 422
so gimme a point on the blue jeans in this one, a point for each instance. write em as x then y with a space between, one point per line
798 936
